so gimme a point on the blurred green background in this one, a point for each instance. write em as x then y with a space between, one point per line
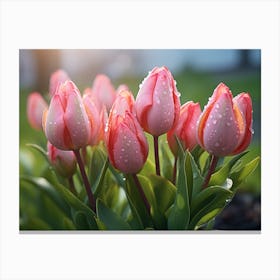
197 73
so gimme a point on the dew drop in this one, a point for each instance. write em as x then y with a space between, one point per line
252 130
230 118
126 160
124 179
217 106
217 144
122 149
228 124
220 116
214 121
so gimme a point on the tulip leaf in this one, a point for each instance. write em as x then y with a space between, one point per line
39 149
219 177
80 220
68 224
49 190
239 176
137 201
166 163
197 177
148 168
208 200
180 213
99 181
110 219
96 165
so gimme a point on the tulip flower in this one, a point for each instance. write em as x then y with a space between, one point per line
57 78
94 119
125 140
121 88
64 162
225 126
185 129
66 123
103 91
157 103
36 105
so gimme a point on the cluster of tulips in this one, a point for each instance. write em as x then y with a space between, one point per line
186 196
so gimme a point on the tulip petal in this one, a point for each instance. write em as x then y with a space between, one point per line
76 120
244 103
221 132
54 123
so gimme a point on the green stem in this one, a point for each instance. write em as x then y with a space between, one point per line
213 164
86 181
142 194
156 155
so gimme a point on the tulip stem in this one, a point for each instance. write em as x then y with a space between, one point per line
213 164
72 185
174 171
86 181
156 155
142 194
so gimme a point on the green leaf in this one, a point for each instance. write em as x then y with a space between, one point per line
68 224
47 188
137 202
35 223
80 220
71 200
219 177
166 163
197 177
99 181
180 214
164 192
208 200
96 164
111 220
148 168
239 176
39 149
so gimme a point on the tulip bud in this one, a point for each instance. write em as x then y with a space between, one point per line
66 123
125 140
64 162
224 127
36 105
185 129
157 103
94 119
104 92
57 78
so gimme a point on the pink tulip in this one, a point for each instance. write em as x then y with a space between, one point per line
36 105
125 140
122 87
103 91
157 103
94 119
185 129
66 123
64 162
57 78
225 125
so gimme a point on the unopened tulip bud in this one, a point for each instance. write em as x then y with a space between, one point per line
157 103
225 126
104 92
66 123
185 129
64 162
57 78
125 140
36 105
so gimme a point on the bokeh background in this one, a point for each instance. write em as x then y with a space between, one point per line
197 73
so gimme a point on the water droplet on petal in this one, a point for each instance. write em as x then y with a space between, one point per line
214 121
217 144
217 106
228 124
220 116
